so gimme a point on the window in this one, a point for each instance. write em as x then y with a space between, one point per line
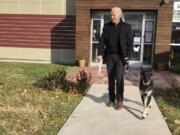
176 12
175 37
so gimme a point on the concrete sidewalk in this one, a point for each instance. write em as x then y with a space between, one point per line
92 117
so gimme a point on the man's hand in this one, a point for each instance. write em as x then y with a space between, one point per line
99 57
126 60
126 64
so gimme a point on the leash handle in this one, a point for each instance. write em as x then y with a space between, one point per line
126 67
100 65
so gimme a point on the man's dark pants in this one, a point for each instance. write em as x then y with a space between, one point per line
115 70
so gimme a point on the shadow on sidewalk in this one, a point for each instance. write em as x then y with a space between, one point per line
131 110
136 102
103 99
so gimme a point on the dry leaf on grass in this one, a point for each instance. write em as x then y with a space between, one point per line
177 122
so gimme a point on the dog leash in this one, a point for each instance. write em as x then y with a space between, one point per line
126 67
100 66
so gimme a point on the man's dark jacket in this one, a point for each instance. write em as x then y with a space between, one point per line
125 42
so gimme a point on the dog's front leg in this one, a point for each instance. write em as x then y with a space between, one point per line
145 112
147 103
149 96
142 98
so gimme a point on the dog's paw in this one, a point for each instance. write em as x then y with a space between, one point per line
150 106
145 114
143 117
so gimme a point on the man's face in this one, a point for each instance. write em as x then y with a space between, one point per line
115 16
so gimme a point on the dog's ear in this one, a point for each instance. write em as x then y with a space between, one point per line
151 68
142 69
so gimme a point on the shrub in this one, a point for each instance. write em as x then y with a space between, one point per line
175 59
83 81
176 68
54 80
58 80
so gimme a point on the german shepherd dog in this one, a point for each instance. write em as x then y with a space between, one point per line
146 89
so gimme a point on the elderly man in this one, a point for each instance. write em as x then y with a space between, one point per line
114 48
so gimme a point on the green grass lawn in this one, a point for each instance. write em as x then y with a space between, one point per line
168 101
26 109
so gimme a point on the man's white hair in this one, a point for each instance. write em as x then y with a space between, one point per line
118 9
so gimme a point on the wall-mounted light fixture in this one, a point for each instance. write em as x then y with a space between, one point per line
163 2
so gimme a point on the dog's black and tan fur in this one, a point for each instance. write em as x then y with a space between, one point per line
146 89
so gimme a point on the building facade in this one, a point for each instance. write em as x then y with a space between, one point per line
151 22
37 30
62 31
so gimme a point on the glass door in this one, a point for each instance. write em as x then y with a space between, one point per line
136 20
97 24
95 35
143 27
149 41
